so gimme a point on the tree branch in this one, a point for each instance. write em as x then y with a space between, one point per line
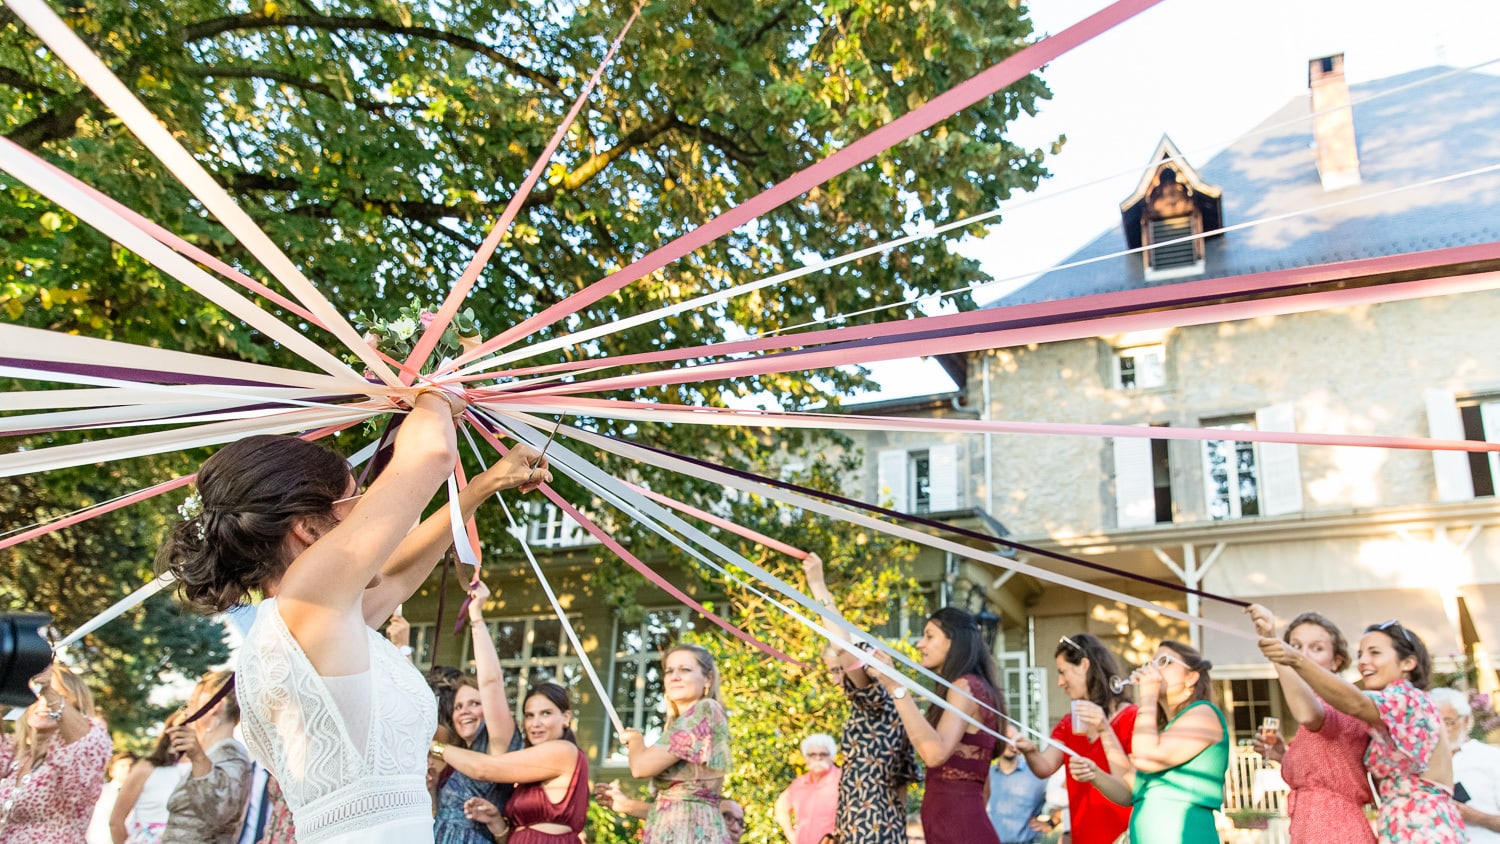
15 80
332 23
737 153
55 125
291 81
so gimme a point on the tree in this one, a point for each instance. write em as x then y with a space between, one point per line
376 140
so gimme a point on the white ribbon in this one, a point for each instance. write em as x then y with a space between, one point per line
562 616
143 124
120 448
615 492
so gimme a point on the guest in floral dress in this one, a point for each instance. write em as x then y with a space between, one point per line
879 763
1324 765
958 754
1408 754
688 762
52 771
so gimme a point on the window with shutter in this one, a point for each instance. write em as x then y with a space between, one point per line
1229 473
1455 479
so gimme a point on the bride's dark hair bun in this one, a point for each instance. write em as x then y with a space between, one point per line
251 491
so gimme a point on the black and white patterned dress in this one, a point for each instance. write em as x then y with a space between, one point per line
878 762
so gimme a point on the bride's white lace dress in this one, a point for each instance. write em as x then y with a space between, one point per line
369 789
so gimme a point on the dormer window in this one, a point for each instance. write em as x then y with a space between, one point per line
1169 207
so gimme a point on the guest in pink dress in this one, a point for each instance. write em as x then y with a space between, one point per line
51 774
1324 764
1408 757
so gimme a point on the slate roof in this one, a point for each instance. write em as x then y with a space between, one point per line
1443 127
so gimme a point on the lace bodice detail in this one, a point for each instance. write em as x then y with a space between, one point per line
334 784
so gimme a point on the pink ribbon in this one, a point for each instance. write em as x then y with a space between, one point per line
937 109
718 521
470 275
641 411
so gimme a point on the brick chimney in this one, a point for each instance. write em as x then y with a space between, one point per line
1333 127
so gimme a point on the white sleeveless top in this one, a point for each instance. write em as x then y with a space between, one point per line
340 791
151 806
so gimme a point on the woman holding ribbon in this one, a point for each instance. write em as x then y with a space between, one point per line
1324 764
958 754
1102 720
482 720
551 801
140 813
687 764
209 803
1408 754
339 717
879 764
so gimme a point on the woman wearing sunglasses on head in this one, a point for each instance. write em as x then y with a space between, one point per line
1324 764
1100 715
1175 773
1408 754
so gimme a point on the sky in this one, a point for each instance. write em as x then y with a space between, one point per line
1203 72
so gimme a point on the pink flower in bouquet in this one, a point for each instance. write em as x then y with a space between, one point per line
426 318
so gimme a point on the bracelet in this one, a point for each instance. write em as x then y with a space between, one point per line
437 749
476 622
448 396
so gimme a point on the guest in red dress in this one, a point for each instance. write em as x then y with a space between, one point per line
1325 762
957 753
551 800
1084 669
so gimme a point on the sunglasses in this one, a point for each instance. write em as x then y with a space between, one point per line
1394 624
1064 640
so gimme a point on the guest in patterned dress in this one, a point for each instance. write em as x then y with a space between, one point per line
1105 718
688 762
1408 754
482 721
52 771
551 799
1179 757
1324 764
879 764
209 804
957 754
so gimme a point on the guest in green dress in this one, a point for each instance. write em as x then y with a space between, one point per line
1179 758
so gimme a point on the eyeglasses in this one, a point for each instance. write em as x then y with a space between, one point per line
355 497
1064 640
1386 627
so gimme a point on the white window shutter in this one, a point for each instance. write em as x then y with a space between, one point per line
1454 480
892 478
1489 413
1280 472
1135 488
942 473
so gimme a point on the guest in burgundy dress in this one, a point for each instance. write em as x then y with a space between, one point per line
551 800
1325 762
958 754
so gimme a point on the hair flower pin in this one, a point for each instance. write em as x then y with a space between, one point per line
190 509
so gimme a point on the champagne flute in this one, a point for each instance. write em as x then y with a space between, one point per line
1117 683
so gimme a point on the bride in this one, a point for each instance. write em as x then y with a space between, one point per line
340 718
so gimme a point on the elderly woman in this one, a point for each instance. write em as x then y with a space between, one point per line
879 762
805 811
52 772
207 806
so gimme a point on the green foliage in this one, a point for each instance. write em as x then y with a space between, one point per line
376 141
